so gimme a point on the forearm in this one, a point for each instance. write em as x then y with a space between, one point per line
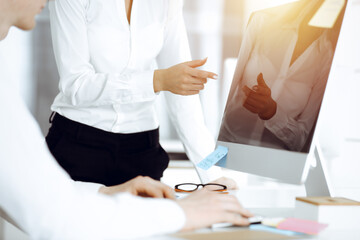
96 89
293 133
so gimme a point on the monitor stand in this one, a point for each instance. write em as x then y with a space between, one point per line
317 182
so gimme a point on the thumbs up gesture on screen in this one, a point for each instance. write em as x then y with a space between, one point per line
258 99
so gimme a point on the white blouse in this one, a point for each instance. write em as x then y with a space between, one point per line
106 68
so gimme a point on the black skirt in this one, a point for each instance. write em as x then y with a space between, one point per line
92 155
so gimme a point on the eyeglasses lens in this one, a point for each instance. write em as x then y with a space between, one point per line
213 187
187 187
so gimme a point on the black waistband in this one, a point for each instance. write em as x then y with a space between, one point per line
88 133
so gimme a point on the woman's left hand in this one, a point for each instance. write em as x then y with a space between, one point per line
228 182
143 187
183 79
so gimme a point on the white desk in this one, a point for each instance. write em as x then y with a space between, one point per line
209 234
243 232
253 197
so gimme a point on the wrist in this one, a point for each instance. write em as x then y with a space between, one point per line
104 190
158 80
270 112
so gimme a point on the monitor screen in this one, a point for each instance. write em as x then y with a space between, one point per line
277 90
280 78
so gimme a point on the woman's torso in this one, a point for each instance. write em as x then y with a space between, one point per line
117 47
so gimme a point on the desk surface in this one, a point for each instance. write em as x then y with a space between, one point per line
236 233
239 234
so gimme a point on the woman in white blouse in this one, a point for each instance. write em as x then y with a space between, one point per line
105 128
40 198
280 78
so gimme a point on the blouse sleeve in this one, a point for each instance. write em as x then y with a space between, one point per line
294 132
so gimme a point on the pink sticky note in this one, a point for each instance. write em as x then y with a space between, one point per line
302 226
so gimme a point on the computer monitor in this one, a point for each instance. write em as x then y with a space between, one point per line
277 90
